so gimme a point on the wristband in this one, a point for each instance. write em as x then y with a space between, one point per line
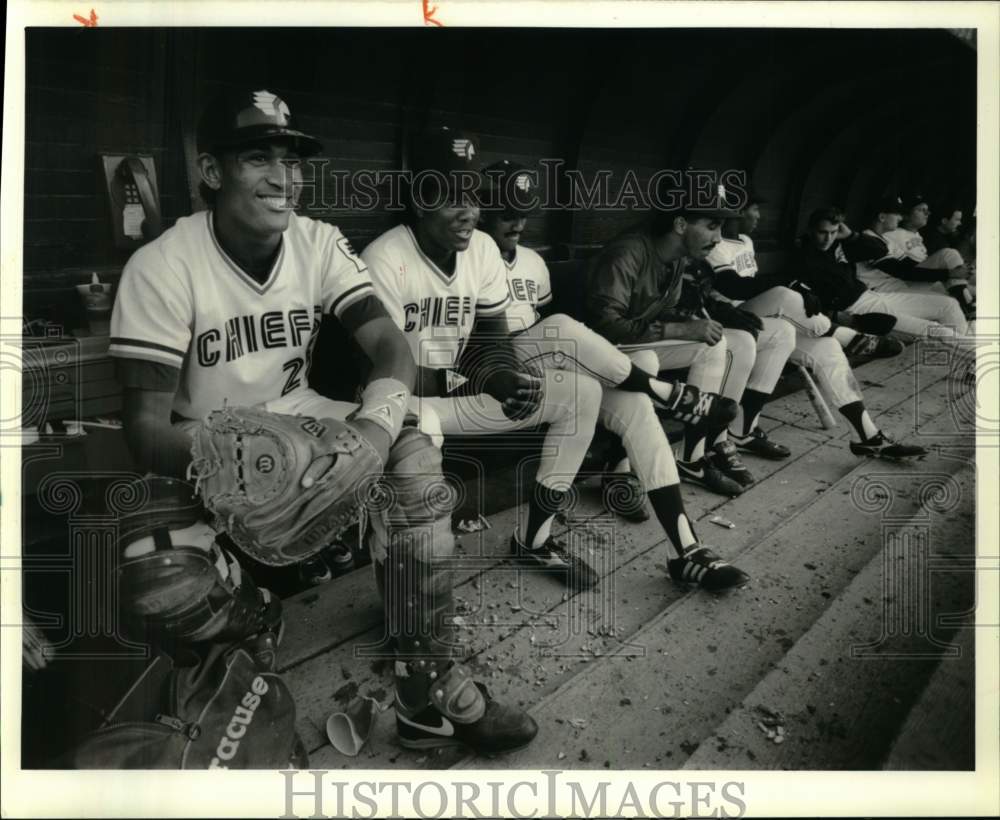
384 402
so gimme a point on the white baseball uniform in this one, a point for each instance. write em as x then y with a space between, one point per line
922 309
822 354
740 256
184 303
436 312
562 342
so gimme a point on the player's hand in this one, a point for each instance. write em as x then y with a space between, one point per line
375 435
705 330
744 320
811 303
519 393
368 430
843 230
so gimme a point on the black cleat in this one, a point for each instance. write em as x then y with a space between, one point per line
728 460
624 496
873 347
503 728
881 446
705 474
553 557
692 406
759 444
699 565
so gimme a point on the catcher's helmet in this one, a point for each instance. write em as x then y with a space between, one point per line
236 118
175 582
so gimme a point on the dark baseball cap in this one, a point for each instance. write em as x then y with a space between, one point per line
445 165
445 150
890 204
913 199
511 187
244 116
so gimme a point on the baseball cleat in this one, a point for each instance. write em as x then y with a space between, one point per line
757 442
314 571
502 728
881 446
624 496
699 565
705 474
554 558
690 405
876 347
729 462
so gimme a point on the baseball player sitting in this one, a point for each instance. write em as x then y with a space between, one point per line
919 285
819 345
223 309
445 286
782 295
943 231
911 260
828 261
634 300
630 397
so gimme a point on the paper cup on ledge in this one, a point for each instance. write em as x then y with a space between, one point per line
350 729
96 298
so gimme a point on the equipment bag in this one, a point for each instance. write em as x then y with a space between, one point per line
222 712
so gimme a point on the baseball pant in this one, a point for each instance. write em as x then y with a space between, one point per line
736 362
826 359
563 343
785 303
570 405
918 313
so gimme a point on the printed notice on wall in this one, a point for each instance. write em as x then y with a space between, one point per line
132 217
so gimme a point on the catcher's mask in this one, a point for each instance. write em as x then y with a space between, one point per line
175 582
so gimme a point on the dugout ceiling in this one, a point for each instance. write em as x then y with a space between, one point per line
814 116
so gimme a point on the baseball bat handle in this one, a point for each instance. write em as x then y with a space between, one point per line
826 418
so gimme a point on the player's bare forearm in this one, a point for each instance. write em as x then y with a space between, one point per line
156 445
385 346
678 330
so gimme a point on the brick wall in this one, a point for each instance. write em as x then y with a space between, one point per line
612 100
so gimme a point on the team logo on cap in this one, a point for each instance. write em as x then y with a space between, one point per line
463 148
272 105
522 182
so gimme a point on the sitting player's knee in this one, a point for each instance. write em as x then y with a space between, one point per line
646 360
566 326
787 300
783 334
419 499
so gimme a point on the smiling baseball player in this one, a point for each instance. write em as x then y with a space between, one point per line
223 308
629 395
445 286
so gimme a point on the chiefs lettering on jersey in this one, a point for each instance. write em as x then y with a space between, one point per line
530 288
184 303
435 310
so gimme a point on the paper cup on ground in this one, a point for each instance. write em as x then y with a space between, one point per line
350 729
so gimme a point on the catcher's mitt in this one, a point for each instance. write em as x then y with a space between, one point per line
249 465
